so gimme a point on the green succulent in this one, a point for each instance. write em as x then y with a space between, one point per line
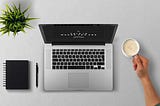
14 20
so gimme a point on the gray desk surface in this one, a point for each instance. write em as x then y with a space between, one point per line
138 19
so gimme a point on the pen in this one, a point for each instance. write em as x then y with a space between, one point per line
37 75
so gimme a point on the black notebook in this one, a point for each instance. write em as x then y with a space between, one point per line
17 74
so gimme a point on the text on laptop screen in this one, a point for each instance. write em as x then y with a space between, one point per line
78 33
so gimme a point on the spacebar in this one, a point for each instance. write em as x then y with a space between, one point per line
76 67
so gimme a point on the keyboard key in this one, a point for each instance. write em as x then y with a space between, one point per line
100 63
57 67
65 63
54 56
71 59
65 67
72 63
91 63
87 63
87 67
85 59
83 63
58 63
55 59
92 67
80 63
76 63
101 52
76 67
54 63
53 67
69 63
86 52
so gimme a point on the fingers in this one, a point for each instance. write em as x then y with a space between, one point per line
135 66
138 63
143 58
134 63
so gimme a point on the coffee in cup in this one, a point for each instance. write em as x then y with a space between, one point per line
130 47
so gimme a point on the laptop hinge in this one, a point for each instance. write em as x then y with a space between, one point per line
48 45
75 43
108 44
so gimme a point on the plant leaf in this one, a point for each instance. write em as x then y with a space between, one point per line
25 10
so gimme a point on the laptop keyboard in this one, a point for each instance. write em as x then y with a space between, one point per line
78 59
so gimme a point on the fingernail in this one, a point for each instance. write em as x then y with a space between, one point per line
138 59
136 56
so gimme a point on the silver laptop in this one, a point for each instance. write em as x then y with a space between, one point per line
78 56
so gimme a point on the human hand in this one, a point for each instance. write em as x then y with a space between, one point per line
140 65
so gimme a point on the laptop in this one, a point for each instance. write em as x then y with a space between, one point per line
78 56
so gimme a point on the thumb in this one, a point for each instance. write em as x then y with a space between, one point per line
139 63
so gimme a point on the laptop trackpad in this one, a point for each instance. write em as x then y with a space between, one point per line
78 80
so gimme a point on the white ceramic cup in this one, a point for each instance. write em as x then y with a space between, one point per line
133 54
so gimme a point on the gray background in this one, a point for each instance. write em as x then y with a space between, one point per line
138 19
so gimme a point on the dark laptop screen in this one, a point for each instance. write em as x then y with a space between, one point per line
78 33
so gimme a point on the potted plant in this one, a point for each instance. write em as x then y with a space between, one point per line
14 20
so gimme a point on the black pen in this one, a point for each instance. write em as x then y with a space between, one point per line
37 75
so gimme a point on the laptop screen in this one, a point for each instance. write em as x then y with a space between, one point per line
78 33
